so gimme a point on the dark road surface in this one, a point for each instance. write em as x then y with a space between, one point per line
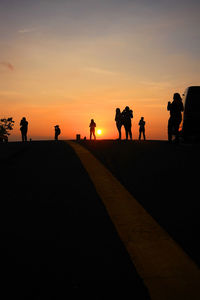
57 241
164 178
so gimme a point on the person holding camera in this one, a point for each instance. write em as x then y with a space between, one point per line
57 132
24 129
175 108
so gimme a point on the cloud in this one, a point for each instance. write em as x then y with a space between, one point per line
101 71
26 30
7 65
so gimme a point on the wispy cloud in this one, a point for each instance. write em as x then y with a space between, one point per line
26 30
101 71
156 84
7 65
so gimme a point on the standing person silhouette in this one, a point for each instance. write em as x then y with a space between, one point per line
118 120
57 132
142 128
24 129
175 108
127 115
92 129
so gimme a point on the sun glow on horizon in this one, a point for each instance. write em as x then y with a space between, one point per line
99 131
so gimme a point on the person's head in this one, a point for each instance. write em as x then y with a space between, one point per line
142 118
177 97
117 110
24 119
127 108
92 120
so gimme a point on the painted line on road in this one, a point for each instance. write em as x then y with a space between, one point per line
168 272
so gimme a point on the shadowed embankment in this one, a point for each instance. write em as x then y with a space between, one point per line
163 178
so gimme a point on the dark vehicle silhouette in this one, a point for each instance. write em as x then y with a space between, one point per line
190 126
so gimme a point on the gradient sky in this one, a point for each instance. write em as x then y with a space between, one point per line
67 61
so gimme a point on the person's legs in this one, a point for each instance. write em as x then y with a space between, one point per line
170 127
140 134
176 130
119 130
92 133
126 130
144 134
130 133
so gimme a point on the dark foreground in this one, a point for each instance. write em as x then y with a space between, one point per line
57 241
164 178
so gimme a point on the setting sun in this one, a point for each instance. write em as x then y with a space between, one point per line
99 131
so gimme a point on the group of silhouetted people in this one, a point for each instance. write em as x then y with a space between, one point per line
176 108
124 119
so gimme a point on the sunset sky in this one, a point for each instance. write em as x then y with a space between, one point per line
68 61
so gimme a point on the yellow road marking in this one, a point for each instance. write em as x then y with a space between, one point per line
167 271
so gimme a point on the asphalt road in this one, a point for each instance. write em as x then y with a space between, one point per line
164 178
57 241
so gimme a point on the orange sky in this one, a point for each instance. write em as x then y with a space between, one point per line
74 116
66 63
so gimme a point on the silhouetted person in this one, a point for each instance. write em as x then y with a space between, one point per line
92 129
127 115
57 132
175 108
24 129
142 128
118 120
